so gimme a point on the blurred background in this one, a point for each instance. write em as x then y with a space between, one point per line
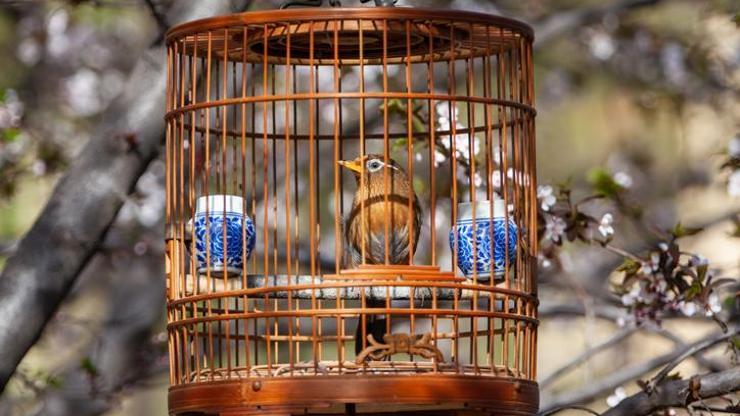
644 93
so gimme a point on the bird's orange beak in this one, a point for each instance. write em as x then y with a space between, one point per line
353 165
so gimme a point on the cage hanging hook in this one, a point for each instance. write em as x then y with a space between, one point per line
333 3
309 3
382 3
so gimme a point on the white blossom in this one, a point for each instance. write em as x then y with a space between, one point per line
615 398
11 110
555 228
82 90
699 260
652 265
602 46
462 142
477 179
630 298
733 183
661 285
714 306
38 167
625 319
605 226
687 308
545 263
623 179
546 197
29 51
734 147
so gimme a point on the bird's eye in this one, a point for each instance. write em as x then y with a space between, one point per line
374 165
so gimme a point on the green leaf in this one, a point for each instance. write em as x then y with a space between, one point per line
9 135
674 376
54 382
693 291
629 266
89 367
702 272
394 106
679 231
603 183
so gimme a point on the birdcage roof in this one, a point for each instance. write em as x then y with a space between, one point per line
364 35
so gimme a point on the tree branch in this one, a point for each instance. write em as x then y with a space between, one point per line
560 409
678 393
613 380
699 347
84 203
158 17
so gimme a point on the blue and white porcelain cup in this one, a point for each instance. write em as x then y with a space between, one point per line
212 251
489 231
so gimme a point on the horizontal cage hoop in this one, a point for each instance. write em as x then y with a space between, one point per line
347 95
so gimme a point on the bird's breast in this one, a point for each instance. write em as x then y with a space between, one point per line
383 224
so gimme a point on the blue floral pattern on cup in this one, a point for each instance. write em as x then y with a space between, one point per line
235 255
487 254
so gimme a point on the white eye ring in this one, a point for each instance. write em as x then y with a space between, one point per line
374 165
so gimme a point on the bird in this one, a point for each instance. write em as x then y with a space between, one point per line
370 217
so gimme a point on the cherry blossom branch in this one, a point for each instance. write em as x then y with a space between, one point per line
617 378
679 393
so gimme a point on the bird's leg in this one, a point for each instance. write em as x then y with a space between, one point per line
373 326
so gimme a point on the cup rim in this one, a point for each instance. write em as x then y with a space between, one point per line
219 203
482 209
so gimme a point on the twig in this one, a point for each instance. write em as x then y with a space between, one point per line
560 409
677 393
584 356
732 409
621 252
688 353
710 365
158 17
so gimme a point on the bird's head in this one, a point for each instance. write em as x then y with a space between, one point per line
372 165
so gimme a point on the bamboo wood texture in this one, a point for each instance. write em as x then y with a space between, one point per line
263 106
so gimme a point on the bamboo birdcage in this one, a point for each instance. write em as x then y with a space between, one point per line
262 106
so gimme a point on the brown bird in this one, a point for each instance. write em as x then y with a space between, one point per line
380 218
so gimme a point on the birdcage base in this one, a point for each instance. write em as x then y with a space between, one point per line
330 395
